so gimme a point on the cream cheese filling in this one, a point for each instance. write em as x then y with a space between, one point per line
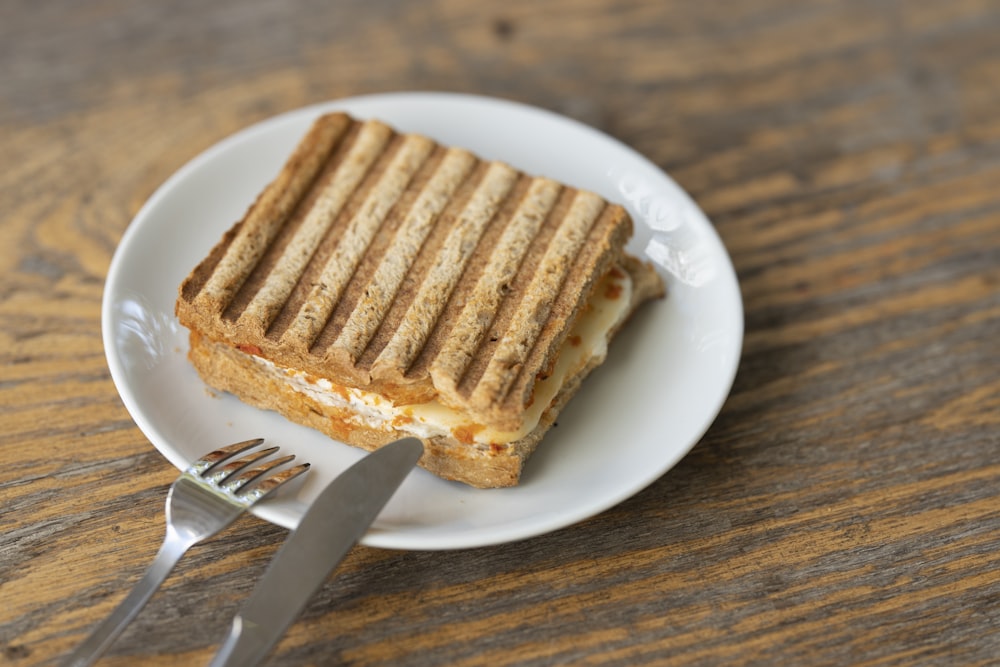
586 342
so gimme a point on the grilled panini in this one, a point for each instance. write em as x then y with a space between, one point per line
384 285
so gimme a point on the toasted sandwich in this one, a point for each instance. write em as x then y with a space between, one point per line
384 286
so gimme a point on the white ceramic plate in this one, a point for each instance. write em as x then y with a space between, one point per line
665 380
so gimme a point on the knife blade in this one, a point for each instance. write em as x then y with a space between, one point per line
334 522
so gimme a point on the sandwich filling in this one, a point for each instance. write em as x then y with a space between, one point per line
586 343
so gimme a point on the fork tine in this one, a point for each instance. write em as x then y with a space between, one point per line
269 483
210 460
220 475
236 482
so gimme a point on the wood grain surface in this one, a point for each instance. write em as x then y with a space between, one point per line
844 509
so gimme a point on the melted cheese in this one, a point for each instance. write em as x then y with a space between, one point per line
586 342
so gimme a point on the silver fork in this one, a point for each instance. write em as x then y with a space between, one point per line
203 501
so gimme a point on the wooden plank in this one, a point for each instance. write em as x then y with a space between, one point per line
843 509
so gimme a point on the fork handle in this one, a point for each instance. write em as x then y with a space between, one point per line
104 634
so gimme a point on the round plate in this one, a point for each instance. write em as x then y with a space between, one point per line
666 377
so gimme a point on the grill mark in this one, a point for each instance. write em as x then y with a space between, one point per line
310 276
376 284
286 229
499 257
364 275
277 285
193 286
424 260
604 233
516 344
215 282
518 288
451 260
438 336
347 250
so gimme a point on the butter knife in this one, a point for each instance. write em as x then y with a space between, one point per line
334 522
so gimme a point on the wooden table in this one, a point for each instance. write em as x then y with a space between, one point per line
843 509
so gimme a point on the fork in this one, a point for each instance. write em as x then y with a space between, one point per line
203 501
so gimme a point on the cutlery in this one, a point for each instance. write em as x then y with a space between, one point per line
204 500
330 527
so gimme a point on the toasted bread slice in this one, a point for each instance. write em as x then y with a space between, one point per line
388 264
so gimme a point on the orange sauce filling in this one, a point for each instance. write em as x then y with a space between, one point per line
466 433
401 420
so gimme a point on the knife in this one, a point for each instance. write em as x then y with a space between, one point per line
334 522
